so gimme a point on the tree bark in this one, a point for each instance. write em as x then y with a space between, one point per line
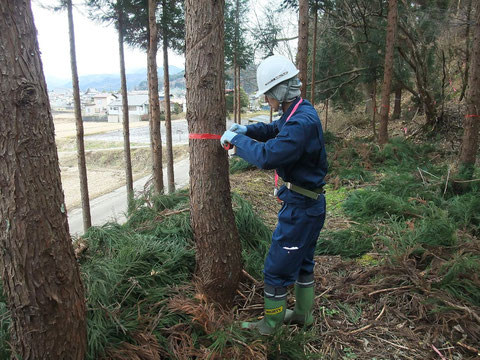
397 108
126 120
235 120
82 165
40 274
467 51
374 110
239 98
302 54
388 72
472 119
314 53
155 135
168 115
218 252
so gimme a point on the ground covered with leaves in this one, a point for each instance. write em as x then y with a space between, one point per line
396 275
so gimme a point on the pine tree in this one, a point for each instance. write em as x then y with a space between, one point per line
40 275
218 247
113 11
472 119
388 71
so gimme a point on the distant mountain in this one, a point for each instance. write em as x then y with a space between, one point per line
109 82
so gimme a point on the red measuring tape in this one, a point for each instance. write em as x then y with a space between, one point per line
227 146
472 115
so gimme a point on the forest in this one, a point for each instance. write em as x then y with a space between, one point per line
396 85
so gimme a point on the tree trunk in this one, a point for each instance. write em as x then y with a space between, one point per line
234 89
239 99
326 115
302 53
374 110
82 166
314 53
218 252
40 274
126 120
472 119
397 108
388 72
467 51
155 135
168 115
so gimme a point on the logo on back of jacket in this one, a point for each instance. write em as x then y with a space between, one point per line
277 77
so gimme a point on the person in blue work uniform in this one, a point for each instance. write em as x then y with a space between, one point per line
295 148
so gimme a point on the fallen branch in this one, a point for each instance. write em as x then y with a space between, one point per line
366 327
390 289
466 181
249 277
468 347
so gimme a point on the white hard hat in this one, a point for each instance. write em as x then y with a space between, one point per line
272 71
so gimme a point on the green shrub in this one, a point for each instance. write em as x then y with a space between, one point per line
352 242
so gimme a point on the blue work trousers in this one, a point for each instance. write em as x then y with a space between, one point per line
293 243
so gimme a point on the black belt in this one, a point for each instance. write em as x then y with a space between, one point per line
313 194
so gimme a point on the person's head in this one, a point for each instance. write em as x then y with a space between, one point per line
277 80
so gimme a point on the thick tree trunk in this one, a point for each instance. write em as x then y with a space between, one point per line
397 108
82 165
126 120
472 119
302 53
314 53
388 72
218 246
40 274
155 134
168 115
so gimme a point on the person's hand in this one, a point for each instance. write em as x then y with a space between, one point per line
227 137
239 129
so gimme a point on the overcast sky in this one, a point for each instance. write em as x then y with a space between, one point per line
96 44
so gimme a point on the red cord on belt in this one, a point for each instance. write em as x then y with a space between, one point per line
227 146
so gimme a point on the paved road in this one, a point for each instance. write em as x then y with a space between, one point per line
113 206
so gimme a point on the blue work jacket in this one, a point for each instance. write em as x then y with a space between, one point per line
295 148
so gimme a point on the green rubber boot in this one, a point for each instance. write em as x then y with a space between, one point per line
302 313
275 308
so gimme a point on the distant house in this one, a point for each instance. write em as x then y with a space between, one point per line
98 104
137 108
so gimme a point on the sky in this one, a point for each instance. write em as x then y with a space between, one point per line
96 43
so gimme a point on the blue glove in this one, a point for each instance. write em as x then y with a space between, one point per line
227 137
239 129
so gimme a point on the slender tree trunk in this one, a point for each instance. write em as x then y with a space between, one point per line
472 119
126 120
326 115
314 53
218 247
239 101
168 115
467 51
302 53
82 165
155 134
397 108
235 120
388 72
374 110
40 274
